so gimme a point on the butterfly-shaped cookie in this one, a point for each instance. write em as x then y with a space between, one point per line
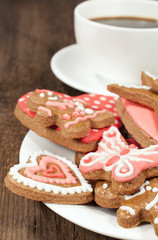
124 165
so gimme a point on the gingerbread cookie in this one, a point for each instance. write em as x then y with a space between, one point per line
49 178
124 165
140 121
105 196
150 80
142 206
80 155
53 133
72 116
140 94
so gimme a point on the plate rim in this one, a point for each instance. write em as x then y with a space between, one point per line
65 79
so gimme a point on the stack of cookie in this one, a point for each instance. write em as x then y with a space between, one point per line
127 175
73 122
124 175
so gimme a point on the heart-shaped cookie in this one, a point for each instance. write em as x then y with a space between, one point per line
49 178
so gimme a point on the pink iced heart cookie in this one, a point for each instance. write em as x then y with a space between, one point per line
91 101
49 178
124 165
51 170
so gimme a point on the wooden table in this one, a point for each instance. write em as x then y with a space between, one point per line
30 33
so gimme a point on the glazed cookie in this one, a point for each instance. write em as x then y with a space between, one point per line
80 155
140 94
142 206
72 116
140 121
124 165
49 178
150 80
53 133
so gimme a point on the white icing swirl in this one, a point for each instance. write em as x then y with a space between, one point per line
128 209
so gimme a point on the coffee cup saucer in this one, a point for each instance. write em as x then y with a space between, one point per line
73 66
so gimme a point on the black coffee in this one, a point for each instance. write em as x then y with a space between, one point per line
128 22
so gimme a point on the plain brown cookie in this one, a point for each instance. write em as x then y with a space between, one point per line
146 97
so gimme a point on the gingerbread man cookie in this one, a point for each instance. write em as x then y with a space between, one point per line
53 133
72 116
124 165
105 196
49 178
141 206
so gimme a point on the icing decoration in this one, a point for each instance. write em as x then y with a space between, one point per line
105 185
31 172
148 188
145 118
144 205
90 99
151 75
48 111
155 189
125 161
41 182
156 220
135 86
53 98
128 209
63 106
142 191
51 170
152 203
42 95
66 116
80 119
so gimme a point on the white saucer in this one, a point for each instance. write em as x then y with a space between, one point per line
73 66
89 216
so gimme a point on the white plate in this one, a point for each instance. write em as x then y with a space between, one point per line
92 217
73 66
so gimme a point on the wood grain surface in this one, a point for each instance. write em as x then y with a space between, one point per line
30 33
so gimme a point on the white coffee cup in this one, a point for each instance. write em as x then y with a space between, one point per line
119 54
